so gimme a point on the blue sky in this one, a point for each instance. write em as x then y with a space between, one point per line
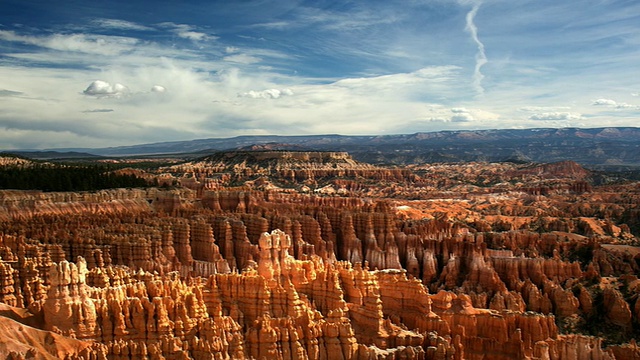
109 73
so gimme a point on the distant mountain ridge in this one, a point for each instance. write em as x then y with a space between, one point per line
608 146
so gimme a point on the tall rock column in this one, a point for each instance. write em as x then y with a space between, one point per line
68 309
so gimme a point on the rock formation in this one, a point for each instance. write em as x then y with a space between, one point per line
466 261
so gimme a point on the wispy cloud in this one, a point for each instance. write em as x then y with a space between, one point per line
83 43
4 92
97 111
120 25
543 108
481 57
242 59
556 116
275 25
355 19
187 31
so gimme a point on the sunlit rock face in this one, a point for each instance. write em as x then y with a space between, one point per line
258 260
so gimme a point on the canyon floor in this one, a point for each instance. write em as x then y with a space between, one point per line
313 255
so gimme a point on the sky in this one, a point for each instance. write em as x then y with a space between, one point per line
110 73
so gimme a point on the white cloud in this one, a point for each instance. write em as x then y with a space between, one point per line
462 117
556 116
612 103
625 106
187 32
266 94
475 115
192 35
485 115
101 88
606 102
438 120
365 105
53 114
158 89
